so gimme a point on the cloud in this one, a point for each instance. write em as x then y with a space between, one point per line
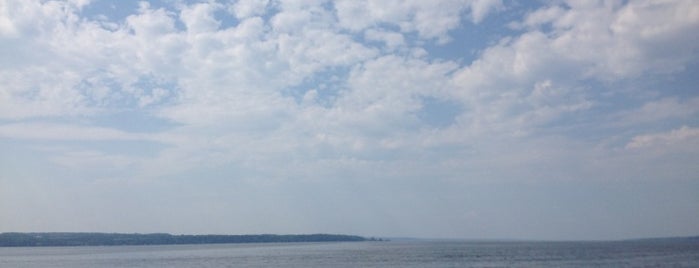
199 18
431 20
392 40
247 8
7 27
239 77
77 67
566 46
668 108
151 23
681 137
660 34
632 45
54 131
481 8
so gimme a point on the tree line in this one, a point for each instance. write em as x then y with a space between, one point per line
113 239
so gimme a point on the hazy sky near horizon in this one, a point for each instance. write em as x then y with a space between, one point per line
543 119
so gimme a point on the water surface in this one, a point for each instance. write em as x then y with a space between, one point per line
673 253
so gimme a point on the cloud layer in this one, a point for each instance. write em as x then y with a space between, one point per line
278 97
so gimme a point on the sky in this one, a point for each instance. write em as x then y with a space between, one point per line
482 119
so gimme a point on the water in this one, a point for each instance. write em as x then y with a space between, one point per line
674 253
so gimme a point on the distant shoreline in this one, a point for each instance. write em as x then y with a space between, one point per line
56 239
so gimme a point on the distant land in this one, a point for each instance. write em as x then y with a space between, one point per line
118 239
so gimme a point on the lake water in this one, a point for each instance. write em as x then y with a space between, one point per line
653 253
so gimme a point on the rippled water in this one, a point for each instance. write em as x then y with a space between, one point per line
367 254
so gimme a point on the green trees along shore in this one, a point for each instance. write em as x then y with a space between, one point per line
109 239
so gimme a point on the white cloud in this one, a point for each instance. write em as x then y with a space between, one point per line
392 40
684 137
385 93
243 9
481 8
199 18
582 41
663 33
7 27
156 95
431 20
66 66
149 22
235 79
541 16
626 45
52 131
25 96
239 74
659 110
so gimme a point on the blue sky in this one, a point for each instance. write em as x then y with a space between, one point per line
447 118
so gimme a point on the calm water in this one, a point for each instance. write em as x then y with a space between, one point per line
366 254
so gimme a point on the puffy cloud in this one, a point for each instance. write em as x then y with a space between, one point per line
614 41
381 101
199 18
74 66
481 8
238 78
248 8
151 23
204 74
568 45
431 20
